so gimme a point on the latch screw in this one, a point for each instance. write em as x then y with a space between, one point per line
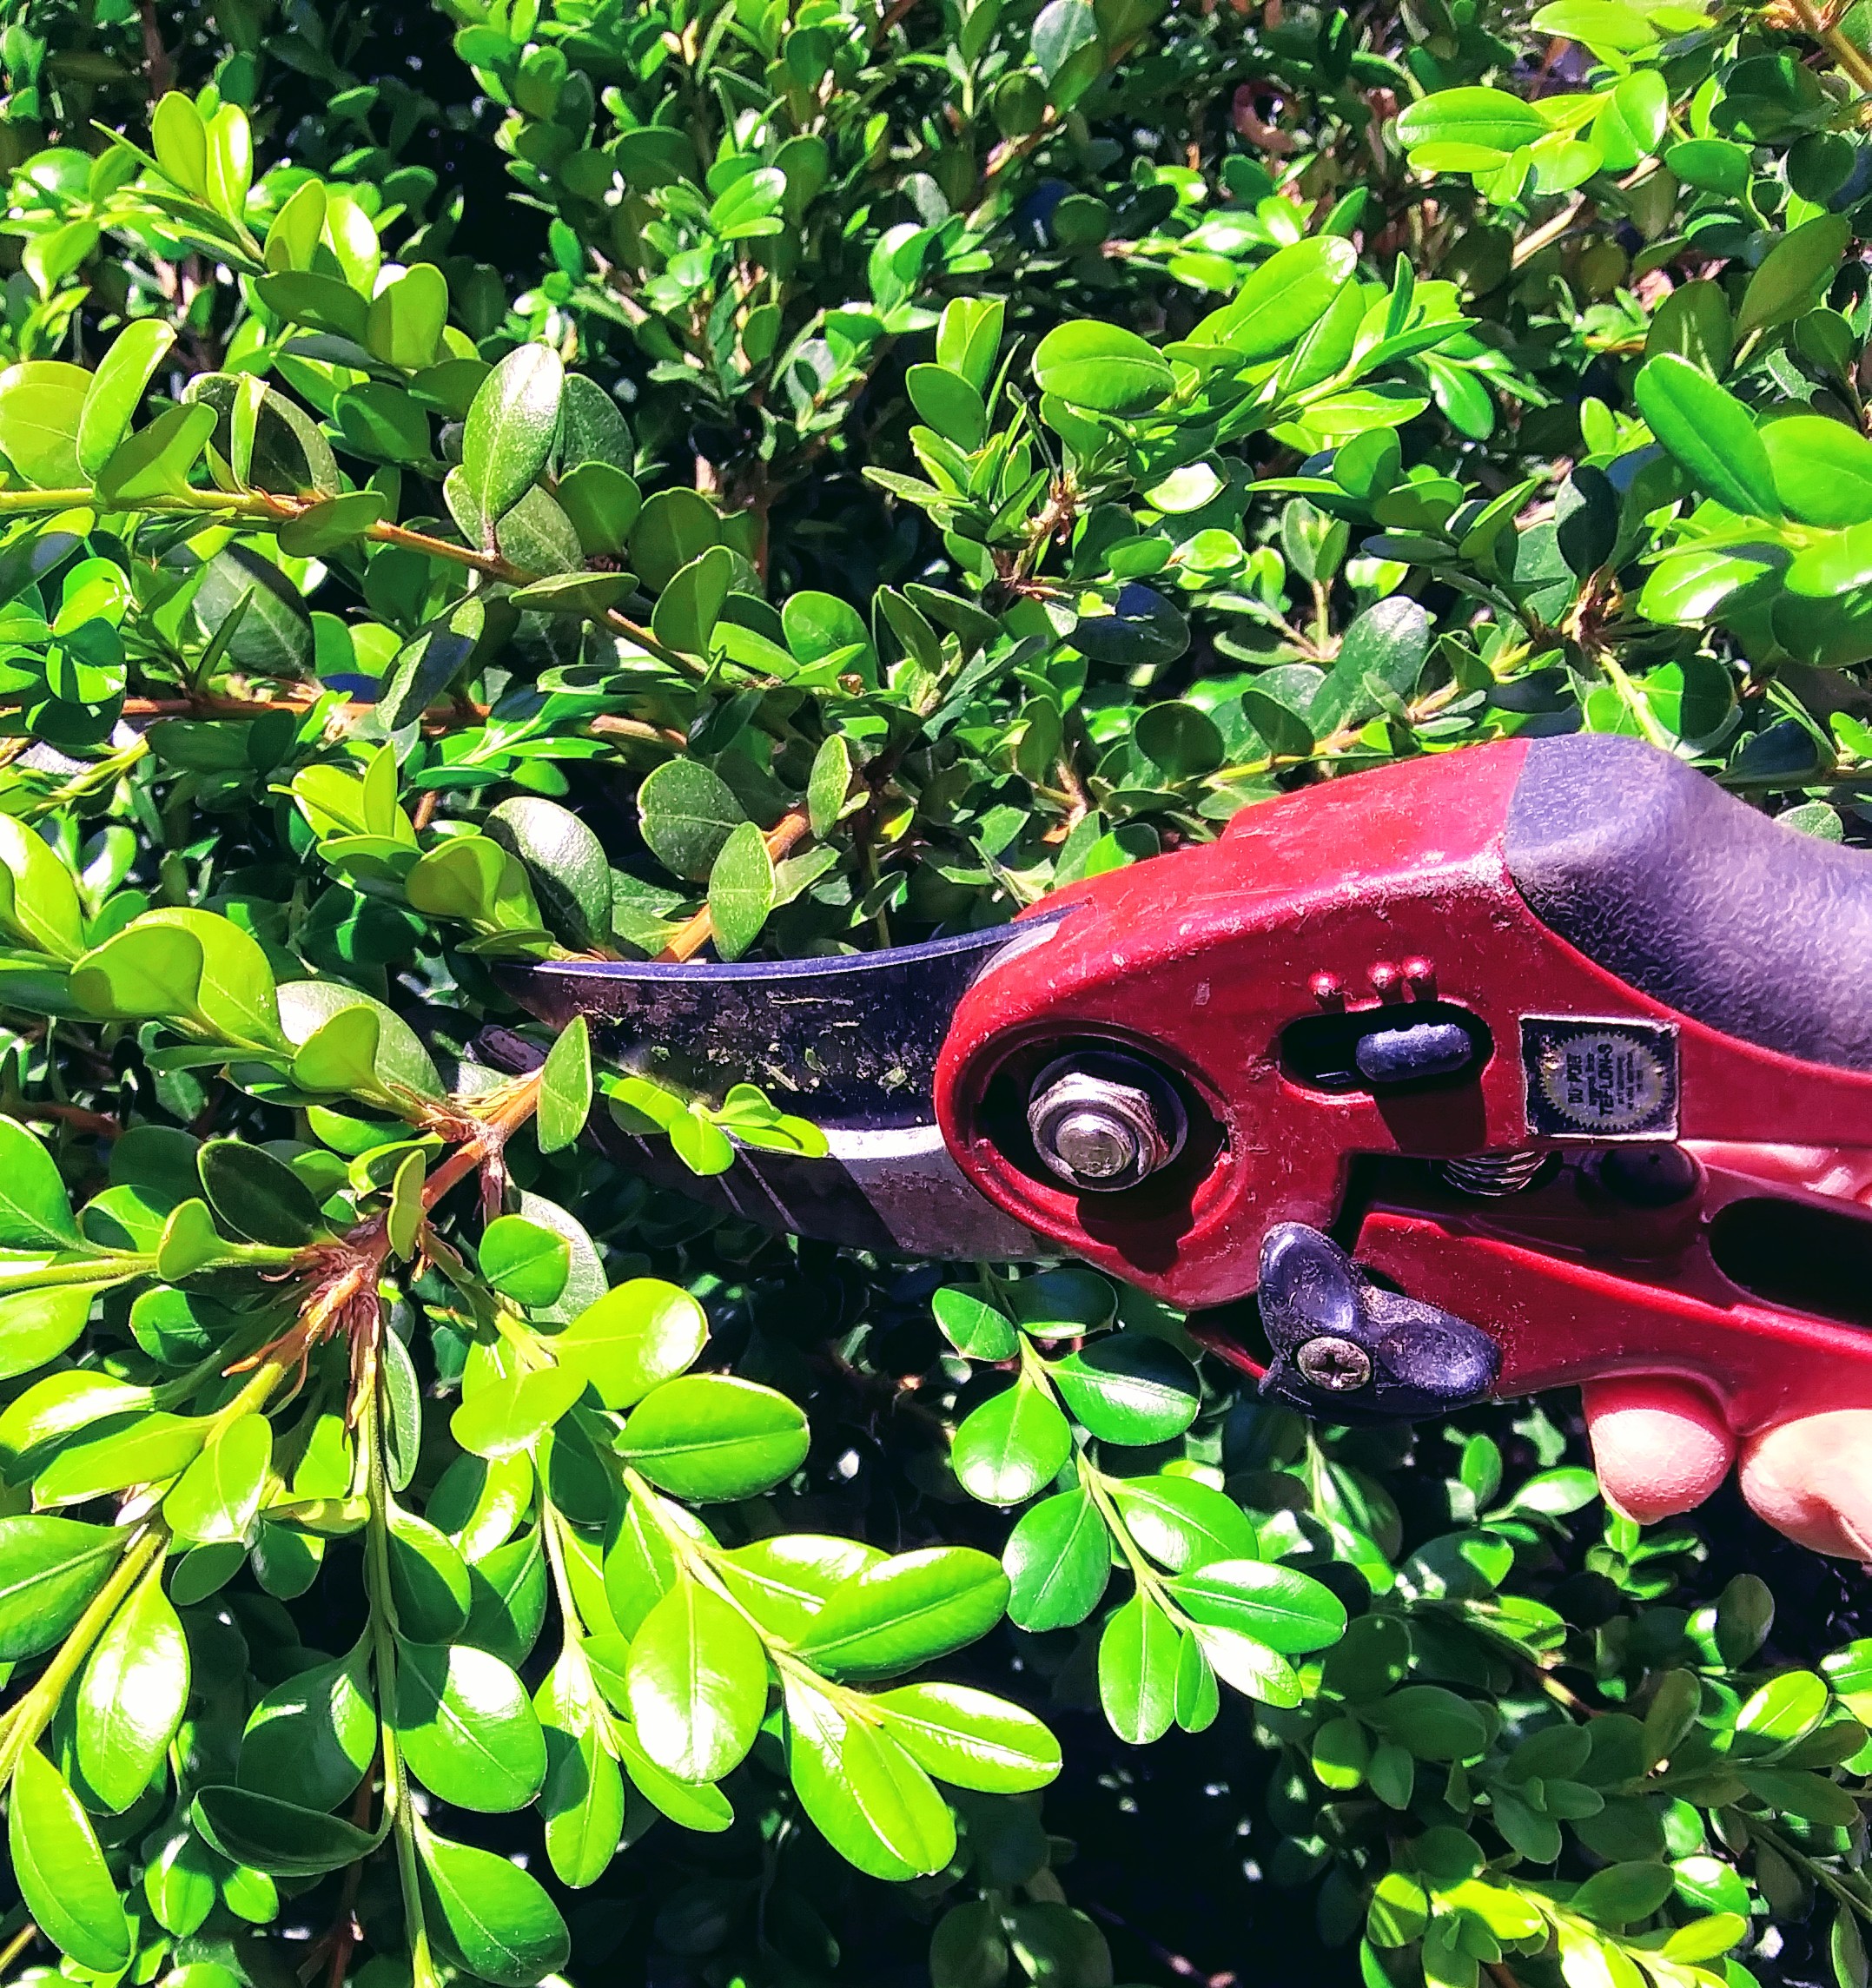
1336 1364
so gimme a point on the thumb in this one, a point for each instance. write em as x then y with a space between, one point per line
1659 1445
1812 1479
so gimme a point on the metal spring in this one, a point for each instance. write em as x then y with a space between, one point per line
1493 1173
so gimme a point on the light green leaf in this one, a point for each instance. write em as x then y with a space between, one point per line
711 1437
697 1682
905 1611
511 427
643 1333
61 1872
467 1728
117 388
1710 432
741 889
970 1739
132 1695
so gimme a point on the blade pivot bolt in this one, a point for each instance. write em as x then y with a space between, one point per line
1104 1121
1336 1364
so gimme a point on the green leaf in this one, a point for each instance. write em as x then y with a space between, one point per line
332 522
786 1580
603 501
1785 1709
1129 1388
636 1336
523 1261
489 1914
312 1739
61 1872
42 404
468 1728
403 325
1491 119
398 1063
690 603
1290 293
234 996
42 908
1102 367
50 1569
565 861
116 391
1246 1663
1792 277
257 1196
1139 1649
1434 1724
1183 1522
949 404
710 1437
35 1210
1058 1562
1624 1893
429 1581
132 1695
1389 643
565 1088
149 971
741 890
511 427
1289 1611
1822 470
697 1682
150 1452
1710 432
974 1327
969 1738
218 1497
828 785
1012 1445
156 461
422 671
504 1417
687 813
871 1801
583 1807
275 1836
905 1611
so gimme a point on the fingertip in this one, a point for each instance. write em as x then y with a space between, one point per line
1659 1445
1812 1479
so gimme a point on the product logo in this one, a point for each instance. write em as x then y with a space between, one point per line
1588 1078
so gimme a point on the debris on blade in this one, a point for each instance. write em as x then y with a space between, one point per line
850 1043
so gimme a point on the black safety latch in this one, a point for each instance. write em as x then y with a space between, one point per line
1347 1348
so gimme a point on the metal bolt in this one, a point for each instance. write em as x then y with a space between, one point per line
1104 1121
1338 1365
1327 989
1384 978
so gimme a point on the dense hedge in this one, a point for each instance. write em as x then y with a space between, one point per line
602 478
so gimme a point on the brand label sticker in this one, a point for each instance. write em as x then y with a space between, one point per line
1588 1078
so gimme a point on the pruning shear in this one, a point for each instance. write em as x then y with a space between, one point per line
1456 1065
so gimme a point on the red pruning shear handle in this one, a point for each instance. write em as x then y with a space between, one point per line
1461 1065
1474 1015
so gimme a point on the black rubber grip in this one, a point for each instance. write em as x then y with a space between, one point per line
1692 897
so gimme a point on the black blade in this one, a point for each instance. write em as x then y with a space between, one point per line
849 1043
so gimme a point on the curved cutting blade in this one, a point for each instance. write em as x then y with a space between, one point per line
850 1043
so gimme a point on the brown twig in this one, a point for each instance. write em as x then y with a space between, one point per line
156 63
695 932
18 1944
100 1124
